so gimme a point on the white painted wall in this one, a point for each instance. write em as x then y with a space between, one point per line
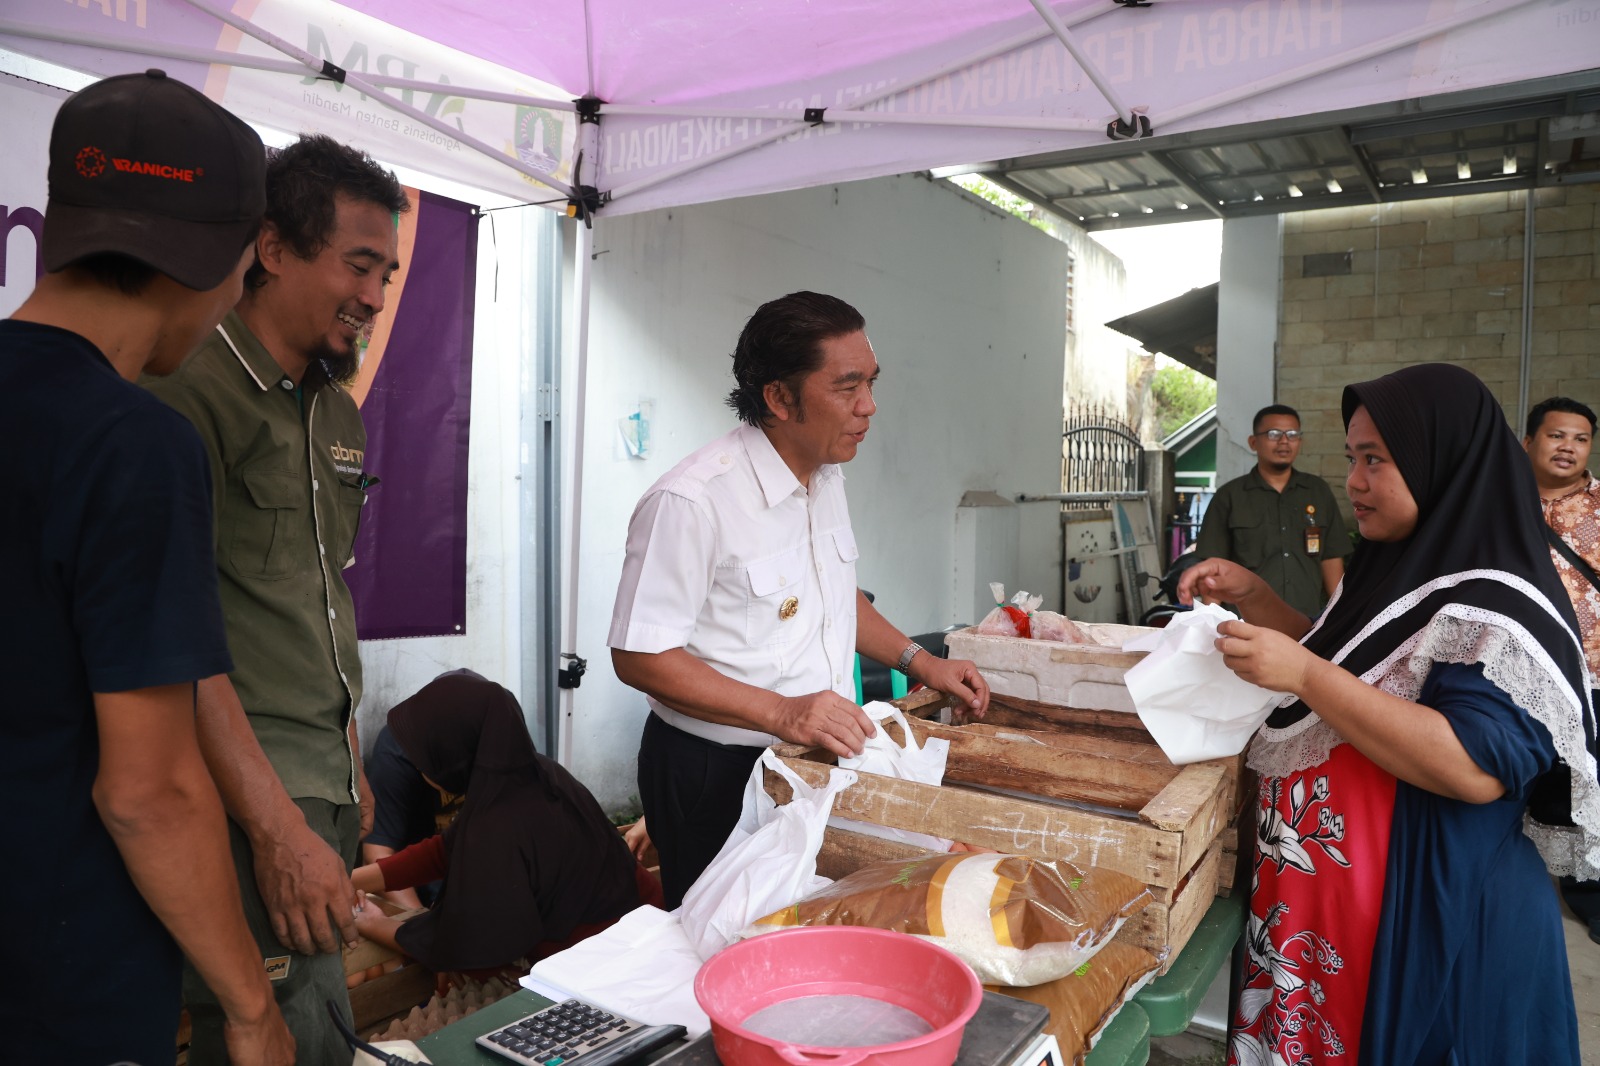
963 307
1247 334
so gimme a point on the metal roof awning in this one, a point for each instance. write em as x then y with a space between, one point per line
1532 133
1184 327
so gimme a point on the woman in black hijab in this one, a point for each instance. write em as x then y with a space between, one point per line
530 865
1400 910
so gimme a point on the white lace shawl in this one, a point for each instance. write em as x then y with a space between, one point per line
1513 662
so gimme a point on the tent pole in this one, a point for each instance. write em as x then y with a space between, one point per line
582 270
150 49
1064 35
256 63
367 88
156 50
542 443
1010 44
1338 62
881 118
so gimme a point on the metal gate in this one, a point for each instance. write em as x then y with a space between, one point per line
1100 454
1102 468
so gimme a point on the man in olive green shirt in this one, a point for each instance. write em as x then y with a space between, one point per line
1277 522
267 394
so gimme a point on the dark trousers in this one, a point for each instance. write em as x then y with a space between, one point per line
308 982
691 790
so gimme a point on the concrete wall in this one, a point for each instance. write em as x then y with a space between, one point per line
1438 280
1097 371
963 307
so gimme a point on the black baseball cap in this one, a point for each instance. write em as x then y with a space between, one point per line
144 166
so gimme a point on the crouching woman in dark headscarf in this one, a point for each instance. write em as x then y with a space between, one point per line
531 865
1400 912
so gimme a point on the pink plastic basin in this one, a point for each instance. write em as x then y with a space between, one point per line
837 961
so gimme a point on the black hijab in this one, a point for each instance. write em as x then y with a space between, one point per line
531 855
1477 560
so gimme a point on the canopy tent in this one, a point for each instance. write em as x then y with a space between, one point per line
698 100
606 107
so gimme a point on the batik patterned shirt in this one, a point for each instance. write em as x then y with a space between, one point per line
1576 517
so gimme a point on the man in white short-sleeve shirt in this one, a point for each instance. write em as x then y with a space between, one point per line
738 614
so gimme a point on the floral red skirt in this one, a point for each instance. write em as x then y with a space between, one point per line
1322 848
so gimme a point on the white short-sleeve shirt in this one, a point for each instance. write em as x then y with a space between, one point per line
730 558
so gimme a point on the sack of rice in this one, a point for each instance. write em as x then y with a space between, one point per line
1014 920
1085 1001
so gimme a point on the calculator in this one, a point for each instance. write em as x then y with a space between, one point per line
574 1033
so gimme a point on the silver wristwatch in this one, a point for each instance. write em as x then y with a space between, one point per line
906 656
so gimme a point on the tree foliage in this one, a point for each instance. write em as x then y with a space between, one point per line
1180 393
1004 199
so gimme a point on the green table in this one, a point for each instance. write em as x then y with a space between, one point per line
453 1045
1171 1000
1126 1041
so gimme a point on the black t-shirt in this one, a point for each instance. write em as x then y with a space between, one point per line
407 807
109 579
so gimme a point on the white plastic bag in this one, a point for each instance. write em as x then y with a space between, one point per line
1193 705
882 756
768 861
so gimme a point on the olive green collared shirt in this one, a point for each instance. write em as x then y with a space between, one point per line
1264 531
288 488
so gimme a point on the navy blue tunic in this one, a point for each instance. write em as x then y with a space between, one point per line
1470 963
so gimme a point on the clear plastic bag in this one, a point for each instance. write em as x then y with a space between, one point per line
1014 920
1009 619
1048 625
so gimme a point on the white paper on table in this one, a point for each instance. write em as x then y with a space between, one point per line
1193 705
642 967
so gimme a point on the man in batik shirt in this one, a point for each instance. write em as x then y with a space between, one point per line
1559 437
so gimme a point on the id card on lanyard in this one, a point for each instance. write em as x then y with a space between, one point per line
1313 531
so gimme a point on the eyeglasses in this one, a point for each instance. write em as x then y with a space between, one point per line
1275 435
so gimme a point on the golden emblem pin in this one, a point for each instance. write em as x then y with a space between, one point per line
787 609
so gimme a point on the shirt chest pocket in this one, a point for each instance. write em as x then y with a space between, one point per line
348 501
774 604
270 526
1251 536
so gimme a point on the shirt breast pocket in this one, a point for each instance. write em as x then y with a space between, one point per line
348 501
845 541
1251 538
267 530
773 604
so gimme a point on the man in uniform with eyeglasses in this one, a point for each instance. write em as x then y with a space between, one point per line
1279 522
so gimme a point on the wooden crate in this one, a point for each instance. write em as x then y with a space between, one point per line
1088 676
376 1000
1156 822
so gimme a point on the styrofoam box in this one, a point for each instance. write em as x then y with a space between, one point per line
1089 676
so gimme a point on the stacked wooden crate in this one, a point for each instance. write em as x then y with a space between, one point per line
389 984
1123 810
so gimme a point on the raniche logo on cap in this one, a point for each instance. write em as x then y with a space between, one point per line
158 170
91 162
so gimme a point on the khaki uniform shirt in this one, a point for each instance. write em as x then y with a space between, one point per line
288 489
1576 518
1264 531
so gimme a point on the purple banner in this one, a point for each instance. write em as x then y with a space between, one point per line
410 573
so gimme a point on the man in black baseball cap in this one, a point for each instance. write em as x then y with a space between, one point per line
106 556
